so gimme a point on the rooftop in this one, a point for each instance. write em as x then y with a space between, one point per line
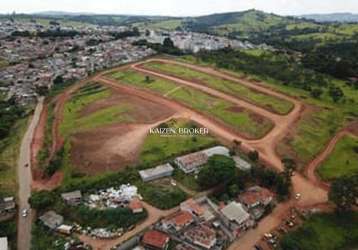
192 206
72 195
51 219
161 169
255 195
156 239
234 211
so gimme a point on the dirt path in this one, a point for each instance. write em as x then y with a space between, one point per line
24 180
154 215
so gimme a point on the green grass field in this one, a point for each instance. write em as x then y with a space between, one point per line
157 149
268 102
242 120
72 120
342 162
312 133
324 232
9 151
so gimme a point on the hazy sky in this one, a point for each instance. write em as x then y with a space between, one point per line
179 7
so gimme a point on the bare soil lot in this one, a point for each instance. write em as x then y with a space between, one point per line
113 147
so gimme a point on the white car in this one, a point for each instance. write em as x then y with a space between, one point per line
298 196
25 212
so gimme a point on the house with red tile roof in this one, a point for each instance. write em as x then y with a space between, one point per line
179 220
201 235
154 239
256 196
192 207
136 206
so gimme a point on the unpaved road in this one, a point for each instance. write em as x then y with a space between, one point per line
24 180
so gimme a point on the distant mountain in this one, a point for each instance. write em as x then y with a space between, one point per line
334 17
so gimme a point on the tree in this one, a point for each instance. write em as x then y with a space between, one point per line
289 164
316 93
58 80
147 79
168 43
344 192
219 170
42 200
253 155
336 93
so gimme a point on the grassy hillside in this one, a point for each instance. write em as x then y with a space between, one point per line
343 161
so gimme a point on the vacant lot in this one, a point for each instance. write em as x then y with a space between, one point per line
243 121
343 161
75 120
105 129
312 132
157 148
324 231
268 102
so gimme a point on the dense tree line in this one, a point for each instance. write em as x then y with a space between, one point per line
167 47
269 64
124 34
344 192
10 112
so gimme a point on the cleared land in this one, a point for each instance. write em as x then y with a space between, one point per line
311 133
268 102
105 129
248 124
343 161
157 148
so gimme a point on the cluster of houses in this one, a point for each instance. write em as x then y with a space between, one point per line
194 42
189 163
37 62
202 224
125 196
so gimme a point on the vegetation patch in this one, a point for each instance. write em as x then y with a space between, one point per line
271 103
343 161
73 122
313 132
162 194
9 151
243 121
324 231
